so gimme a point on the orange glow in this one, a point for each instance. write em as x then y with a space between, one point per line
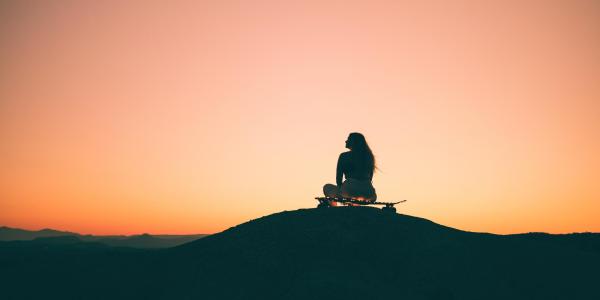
194 116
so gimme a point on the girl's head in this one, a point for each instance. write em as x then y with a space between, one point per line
357 143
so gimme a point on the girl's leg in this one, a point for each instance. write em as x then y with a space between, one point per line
358 190
331 191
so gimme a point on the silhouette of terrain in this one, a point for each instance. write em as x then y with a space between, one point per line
135 241
16 234
332 253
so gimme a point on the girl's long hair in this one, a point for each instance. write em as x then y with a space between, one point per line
364 155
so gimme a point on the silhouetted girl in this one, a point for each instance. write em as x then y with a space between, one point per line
358 166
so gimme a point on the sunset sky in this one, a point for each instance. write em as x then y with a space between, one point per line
124 117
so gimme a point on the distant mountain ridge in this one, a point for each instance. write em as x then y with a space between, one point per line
135 241
16 234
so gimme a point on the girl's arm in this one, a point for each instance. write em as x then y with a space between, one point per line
339 174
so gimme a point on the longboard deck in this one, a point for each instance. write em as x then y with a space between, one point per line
354 201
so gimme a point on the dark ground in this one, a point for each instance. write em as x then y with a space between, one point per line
331 253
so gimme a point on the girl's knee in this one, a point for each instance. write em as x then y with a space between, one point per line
330 190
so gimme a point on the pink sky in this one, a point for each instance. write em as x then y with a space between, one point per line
191 117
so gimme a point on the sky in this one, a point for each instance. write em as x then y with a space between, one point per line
180 117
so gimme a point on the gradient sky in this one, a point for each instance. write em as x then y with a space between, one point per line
123 117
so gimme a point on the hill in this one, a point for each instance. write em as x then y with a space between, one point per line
332 253
362 252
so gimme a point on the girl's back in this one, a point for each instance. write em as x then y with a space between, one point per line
357 166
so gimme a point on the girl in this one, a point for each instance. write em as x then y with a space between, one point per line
358 166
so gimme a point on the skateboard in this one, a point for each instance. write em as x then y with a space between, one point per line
326 202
